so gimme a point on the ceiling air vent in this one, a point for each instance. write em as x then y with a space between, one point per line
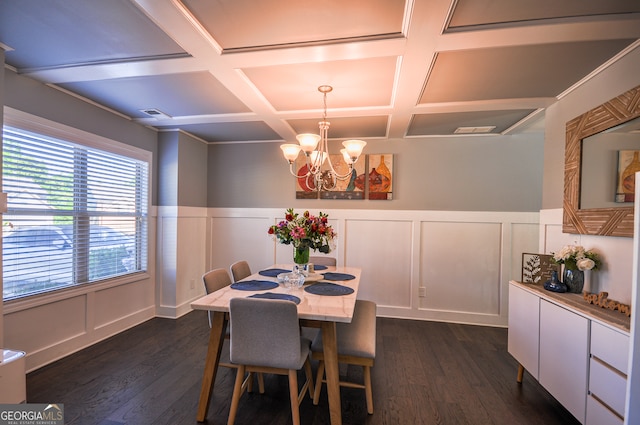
474 130
155 113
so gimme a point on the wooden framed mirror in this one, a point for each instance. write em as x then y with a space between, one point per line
611 221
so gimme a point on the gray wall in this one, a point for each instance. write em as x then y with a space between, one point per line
30 96
182 179
487 173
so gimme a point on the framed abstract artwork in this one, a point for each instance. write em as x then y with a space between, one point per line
380 177
628 164
350 188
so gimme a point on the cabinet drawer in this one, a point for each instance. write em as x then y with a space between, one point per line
597 414
608 385
610 346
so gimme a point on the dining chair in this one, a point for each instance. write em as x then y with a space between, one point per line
240 270
217 279
265 337
323 260
213 280
356 346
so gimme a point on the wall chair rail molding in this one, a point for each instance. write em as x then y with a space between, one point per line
609 221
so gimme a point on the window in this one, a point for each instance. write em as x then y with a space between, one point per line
76 213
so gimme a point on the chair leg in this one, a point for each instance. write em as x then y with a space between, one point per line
309 374
260 382
250 382
367 389
237 393
293 394
319 378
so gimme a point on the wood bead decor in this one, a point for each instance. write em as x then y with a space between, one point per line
602 300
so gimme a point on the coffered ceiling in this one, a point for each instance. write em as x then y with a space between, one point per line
248 70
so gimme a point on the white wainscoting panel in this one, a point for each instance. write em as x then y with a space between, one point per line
111 305
385 246
192 248
241 238
460 265
43 326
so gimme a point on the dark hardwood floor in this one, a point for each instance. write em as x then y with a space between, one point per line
425 373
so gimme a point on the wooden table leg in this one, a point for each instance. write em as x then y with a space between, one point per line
216 340
330 347
520 373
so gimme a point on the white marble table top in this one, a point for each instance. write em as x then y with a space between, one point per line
312 307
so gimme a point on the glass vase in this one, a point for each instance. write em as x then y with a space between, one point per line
574 279
301 259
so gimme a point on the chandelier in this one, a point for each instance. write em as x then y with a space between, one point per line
320 173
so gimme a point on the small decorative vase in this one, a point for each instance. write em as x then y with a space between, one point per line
574 279
554 284
301 259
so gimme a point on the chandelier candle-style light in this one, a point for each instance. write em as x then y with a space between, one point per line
316 150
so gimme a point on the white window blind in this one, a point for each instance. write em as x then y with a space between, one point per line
76 214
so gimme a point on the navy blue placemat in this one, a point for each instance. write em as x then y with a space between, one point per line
328 288
254 285
273 272
274 296
319 267
338 276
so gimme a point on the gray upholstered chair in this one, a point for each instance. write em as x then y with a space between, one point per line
265 337
240 270
323 260
356 346
213 280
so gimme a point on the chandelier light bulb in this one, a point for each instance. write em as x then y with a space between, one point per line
290 151
354 148
308 141
346 157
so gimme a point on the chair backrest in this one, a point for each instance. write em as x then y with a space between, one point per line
321 260
215 279
240 270
265 333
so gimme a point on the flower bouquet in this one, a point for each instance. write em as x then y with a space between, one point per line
576 260
575 257
304 232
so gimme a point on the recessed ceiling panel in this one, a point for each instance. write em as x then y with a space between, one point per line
515 72
197 93
53 33
443 124
345 128
231 131
356 83
469 13
242 24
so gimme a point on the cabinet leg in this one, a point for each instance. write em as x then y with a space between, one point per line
520 373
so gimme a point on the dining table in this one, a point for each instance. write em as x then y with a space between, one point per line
322 301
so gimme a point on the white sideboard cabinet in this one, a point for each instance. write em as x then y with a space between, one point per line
577 351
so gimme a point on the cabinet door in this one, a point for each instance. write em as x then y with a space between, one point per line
524 322
564 355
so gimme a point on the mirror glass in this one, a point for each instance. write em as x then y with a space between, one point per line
607 163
